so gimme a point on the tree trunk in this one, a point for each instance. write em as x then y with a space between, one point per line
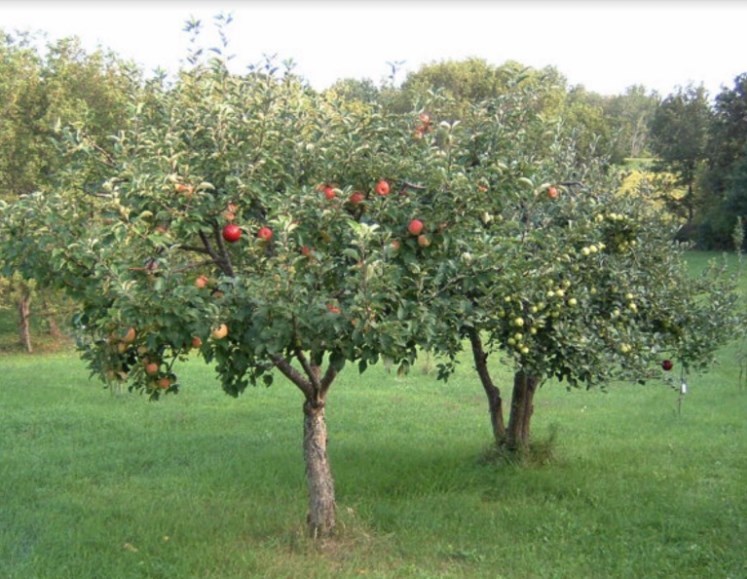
495 403
690 203
24 321
321 519
54 328
522 407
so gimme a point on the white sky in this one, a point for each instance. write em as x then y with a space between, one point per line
604 45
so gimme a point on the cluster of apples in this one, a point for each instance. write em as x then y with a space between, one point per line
232 232
330 192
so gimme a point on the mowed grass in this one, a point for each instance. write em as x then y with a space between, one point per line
94 484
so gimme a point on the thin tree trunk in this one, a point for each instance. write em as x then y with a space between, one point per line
24 321
690 202
495 403
522 408
54 328
321 519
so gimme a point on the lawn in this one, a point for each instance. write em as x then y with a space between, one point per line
101 484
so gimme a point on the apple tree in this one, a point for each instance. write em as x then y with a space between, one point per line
250 220
560 276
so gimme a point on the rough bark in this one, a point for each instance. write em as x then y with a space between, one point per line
24 322
321 518
522 408
495 402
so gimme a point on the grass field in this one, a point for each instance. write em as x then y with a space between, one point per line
203 485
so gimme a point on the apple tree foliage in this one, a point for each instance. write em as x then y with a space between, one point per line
320 190
362 234
564 278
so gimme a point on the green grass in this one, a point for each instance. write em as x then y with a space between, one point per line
202 485
95 485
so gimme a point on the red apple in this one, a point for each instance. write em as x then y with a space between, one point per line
357 198
265 233
425 119
667 365
196 342
151 368
329 192
424 240
415 227
333 309
231 233
306 251
164 382
202 281
382 188
552 192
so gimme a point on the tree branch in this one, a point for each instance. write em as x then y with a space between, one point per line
308 368
293 375
220 261
225 258
329 376
194 249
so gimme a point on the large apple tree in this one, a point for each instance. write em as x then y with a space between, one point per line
246 218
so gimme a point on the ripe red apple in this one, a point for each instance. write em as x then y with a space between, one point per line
306 251
329 192
425 119
231 233
552 192
265 233
333 309
415 227
202 281
382 188
667 365
196 342
357 198
183 188
164 382
151 368
424 240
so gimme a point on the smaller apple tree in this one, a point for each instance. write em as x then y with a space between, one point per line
563 279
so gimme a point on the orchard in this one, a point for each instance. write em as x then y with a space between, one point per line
271 230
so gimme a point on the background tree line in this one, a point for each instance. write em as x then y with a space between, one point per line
687 150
